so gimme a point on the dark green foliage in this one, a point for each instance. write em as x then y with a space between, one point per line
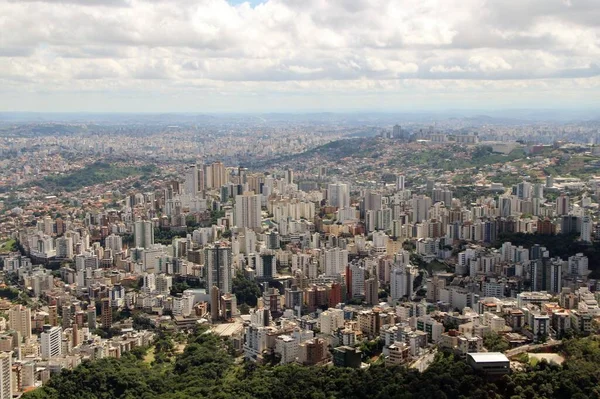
206 369
96 173
246 291
165 236
9 293
561 245
494 342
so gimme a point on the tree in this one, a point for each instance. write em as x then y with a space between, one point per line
494 342
246 291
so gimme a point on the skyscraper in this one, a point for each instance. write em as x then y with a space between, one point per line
338 195
19 318
372 291
586 229
114 242
218 266
400 182
91 317
215 175
51 342
106 315
420 208
143 233
5 375
562 205
289 176
214 302
247 212
191 180
401 282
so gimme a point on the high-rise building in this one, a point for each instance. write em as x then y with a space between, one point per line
335 295
5 375
586 229
106 315
247 211
578 265
401 282
338 195
64 247
333 261
51 342
289 176
372 291
143 233
562 205
91 317
191 185
215 175
420 208
214 303
400 182
114 242
19 319
218 266
53 315
66 316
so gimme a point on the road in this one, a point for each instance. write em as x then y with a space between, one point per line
527 348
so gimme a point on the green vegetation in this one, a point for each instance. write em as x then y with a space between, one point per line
455 157
493 342
9 246
207 369
166 236
561 245
246 291
9 293
96 173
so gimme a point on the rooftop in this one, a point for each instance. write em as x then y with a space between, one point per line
488 357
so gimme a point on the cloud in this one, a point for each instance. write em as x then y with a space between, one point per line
295 46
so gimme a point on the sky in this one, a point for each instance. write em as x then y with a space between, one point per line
298 55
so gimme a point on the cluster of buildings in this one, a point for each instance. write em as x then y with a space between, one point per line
339 266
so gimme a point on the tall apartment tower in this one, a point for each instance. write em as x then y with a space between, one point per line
289 176
586 229
562 205
51 342
215 175
401 282
218 266
400 182
106 315
420 207
19 319
191 180
91 317
338 195
5 375
247 209
214 302
114 242
143 234
372 291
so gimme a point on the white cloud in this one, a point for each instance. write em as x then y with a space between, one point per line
296 47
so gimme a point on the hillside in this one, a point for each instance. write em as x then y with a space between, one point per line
206 369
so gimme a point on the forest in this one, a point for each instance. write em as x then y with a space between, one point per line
207 369
96 173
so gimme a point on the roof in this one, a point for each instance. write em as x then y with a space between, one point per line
488 357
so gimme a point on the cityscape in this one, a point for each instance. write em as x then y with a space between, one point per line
302 240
